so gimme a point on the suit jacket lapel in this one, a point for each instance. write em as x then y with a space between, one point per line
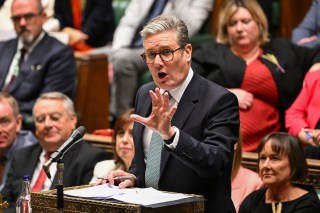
33 159
8 54
31 64
186 105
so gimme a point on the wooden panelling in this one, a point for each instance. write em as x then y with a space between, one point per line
92 93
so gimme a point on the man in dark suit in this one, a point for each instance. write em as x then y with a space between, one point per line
198 126
12 137
96 24
47 65
55 121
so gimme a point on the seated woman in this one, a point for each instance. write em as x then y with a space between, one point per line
123 149
243 180
282 165
260 71
303 117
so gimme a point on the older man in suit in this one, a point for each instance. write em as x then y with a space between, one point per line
34 62
55 121
192 133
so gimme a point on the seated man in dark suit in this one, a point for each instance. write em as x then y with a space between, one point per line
55 120
11 135
88 23
34 63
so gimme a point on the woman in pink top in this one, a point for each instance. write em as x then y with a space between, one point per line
303 117
243 181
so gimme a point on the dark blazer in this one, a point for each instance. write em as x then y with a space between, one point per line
79 163
217 63
50 67
98 20
208 120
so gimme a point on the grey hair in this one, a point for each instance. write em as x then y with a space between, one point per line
57 96
167 23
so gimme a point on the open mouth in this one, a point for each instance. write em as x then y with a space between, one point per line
162 75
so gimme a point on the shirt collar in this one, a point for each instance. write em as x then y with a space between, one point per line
177 92
20 44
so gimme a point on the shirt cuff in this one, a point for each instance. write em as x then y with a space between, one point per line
174 143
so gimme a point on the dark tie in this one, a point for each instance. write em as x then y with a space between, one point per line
23 52
2 158
156 10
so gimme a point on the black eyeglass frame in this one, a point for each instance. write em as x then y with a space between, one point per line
144 55
27 17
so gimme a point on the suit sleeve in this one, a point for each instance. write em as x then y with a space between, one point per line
309 26
210 151
99 22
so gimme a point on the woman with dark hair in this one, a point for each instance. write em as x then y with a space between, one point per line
123 148
282 167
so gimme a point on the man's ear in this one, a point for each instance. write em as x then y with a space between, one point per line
188 50
19 122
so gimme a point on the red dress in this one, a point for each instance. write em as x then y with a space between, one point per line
263 116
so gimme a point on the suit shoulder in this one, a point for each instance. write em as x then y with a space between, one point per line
55 44
90 150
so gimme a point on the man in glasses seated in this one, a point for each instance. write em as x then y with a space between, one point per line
34 62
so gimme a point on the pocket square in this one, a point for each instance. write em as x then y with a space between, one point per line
36 67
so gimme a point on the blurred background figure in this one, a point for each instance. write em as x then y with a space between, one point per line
282 167
88 23
243 180
303 117
308 31
6 25
259 71
12 137
34 62
123 148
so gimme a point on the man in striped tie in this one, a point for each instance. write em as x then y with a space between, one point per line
183 143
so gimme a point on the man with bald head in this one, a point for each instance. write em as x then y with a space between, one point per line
34 63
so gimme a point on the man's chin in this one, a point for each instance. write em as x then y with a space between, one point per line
27 40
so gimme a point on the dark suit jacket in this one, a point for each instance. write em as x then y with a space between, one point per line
98 20
50 67
208 119
79 163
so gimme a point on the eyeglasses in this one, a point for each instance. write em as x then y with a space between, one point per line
165 55
29 17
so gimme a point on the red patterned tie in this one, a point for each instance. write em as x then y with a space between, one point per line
41 178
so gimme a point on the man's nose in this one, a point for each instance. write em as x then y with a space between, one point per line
158 59
48 121
22 21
